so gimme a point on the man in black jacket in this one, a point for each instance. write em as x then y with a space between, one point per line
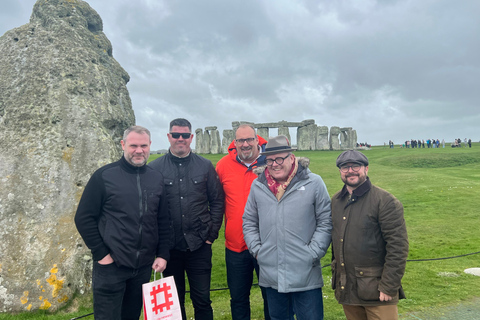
123 219
196 205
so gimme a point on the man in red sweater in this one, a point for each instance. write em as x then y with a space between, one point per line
235 171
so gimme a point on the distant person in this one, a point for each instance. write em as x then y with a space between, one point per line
287 225
369 244
235 171
196 205
127 240
469 143
465 142
443 143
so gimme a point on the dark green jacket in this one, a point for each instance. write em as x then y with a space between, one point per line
370 245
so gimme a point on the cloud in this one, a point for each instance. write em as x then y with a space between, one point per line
389 69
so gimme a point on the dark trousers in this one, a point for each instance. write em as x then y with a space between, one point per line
306 305
240 266
198 267
117 291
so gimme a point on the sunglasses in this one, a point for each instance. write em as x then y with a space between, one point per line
176 135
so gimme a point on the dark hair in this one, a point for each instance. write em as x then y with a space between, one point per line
137 129
180 122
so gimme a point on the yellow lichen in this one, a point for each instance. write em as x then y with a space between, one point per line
29 307
45 305
38 282
56 284
24 298
54 269
63 299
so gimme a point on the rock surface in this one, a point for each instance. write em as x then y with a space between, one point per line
63 108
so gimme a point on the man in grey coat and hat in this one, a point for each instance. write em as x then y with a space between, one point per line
287 228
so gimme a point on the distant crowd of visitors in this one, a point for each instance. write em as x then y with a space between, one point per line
432 143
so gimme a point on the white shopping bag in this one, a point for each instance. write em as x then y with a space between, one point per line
160 300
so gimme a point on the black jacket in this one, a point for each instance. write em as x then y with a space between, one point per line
123 212
195 199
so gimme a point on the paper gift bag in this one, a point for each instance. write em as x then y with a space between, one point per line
160 300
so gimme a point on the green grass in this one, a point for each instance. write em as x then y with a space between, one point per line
439 189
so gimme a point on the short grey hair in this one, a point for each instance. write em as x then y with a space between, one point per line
136 129
246 125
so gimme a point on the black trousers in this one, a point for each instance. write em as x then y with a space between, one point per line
198 267
117 291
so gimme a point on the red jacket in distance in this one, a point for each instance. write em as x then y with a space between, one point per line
236 179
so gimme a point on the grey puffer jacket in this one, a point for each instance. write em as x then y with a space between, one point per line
289 236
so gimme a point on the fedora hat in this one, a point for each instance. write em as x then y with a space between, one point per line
278 144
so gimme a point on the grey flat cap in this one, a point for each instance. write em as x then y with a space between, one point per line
276 145
352 156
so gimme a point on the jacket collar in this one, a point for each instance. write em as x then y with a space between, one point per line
302 171
130 168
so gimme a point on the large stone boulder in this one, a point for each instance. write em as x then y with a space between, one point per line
306 136
63 108
322 138
228 137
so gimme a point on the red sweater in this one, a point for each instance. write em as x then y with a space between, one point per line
236 179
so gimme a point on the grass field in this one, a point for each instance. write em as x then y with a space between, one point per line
439 189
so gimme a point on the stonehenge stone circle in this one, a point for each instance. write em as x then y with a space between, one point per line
63 108
309 136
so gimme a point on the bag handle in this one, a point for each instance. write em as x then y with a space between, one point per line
155 275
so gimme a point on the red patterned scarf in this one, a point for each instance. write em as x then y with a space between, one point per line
279 189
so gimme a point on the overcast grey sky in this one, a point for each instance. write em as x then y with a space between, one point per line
390 69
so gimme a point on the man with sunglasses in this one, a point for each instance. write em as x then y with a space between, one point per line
287 228
369 244
196 204
236 175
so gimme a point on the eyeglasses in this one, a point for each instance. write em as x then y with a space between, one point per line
355 168
242 141
278 160
176 135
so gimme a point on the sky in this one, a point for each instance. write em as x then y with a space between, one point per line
391 70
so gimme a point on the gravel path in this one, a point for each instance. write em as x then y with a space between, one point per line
469 310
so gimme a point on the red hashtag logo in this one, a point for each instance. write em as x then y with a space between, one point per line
167 304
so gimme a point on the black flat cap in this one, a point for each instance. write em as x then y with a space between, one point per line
352 156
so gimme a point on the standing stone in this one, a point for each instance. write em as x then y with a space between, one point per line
306 137
284 131
215 143
334 141
228 137
206 141
322 138
263 132
64 106
354 138
199 148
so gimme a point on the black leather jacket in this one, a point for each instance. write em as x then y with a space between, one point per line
195 199
123 212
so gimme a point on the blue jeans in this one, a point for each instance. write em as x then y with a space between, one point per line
306 305
117 291
240 266
198 267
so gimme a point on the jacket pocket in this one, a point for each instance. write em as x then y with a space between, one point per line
368 279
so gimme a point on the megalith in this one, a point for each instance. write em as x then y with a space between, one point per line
215 143
64 106
263 132
199 148
306 137
284 131
322 138
228 137
334 141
